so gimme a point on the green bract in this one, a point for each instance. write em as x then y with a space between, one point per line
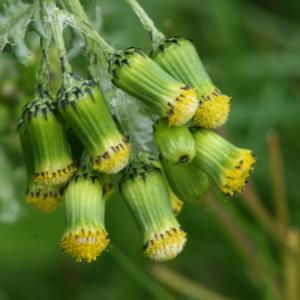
187 181
137 74
83 108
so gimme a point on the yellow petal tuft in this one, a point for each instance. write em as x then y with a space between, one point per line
55 177
176 204
236 177
44 199
183 108
114 159
213 111
85 245
166 245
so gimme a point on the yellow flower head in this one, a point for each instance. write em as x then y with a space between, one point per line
85 237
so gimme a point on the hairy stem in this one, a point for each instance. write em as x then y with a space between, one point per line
155 35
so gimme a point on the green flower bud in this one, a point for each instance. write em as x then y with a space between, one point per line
138 75
187 181
42 196
227 165
85 237
180 59
50 152
83 108
176 144
145 192
152 159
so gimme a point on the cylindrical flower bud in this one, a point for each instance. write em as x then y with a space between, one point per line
176 144
51 155
152 159
187 181
84 109
44 197
180 59
145 192
85 237
227 165
138 75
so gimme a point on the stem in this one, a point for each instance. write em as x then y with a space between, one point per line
291 267
51 11
139 275
183 285
155 35
43 73
279 190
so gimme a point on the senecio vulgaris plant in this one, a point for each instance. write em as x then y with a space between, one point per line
156 174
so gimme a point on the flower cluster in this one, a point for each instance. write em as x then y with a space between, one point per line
187 153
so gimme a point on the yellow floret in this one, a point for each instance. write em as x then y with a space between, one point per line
45 200
166 245
213 110
236 177
85 245
55 177
114 159
183 108
176 204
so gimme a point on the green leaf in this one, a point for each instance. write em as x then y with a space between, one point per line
14 20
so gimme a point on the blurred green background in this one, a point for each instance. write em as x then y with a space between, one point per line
241 248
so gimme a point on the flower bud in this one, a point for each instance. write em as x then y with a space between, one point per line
176 144
145 192
227 165
187 181
50 152
180 59
83 108
85 237
42 196
138 75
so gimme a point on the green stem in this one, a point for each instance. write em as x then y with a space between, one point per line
56 24
183 285
155 35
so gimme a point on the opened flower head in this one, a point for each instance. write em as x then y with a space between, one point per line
145 192
179 57
227 165
85 237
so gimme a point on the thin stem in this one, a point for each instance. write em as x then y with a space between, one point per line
279 190
75 7
155 35
139 275
183 285
43 73
291 267
56 24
